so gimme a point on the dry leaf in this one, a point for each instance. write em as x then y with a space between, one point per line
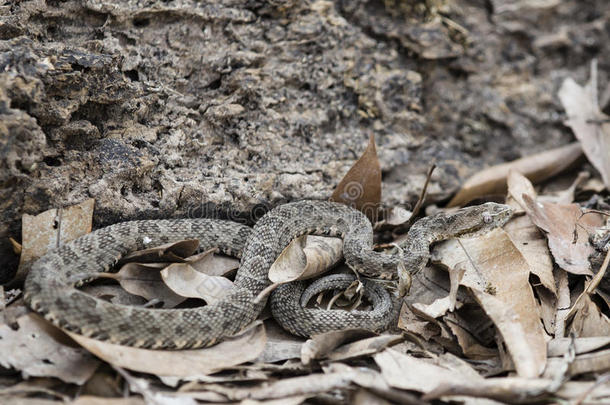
145 281
51 229
563 301
280 346
525 235
561 223
90 400
364 397
114 294
537 168
411 373
151 394
336 377
212 264
169 252
181 363
364 347
36 349
470 345
306 257
589 320
185 281
559 346
518 185
318 346
585 363
498 276
361 186
590 126
511 389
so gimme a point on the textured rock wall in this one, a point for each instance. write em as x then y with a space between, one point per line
172 108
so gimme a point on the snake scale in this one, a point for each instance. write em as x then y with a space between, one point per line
50 288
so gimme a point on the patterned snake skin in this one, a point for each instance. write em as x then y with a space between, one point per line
50 285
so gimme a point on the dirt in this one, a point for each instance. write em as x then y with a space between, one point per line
178 108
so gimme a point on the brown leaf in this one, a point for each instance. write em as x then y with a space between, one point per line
280 346
51 229
212 264
411 373
498 276
537 168
181 363
589 320
36 349
306 257
361 186
364 347
113 293
185 281
508 389
145 280
561 222
169 252
590 126
319 346
90 400
560 346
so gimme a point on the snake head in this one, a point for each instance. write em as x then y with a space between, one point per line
495 215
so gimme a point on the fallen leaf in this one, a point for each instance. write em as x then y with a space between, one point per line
90 400
151 394
181 363
411 373
563 301
498 276
360 188
559 346
518 185
185 281
318 346
213 264
510 389
586 363
590 126
50 229
589 320
145 281
364 397
169 252
561 223
525 235
306 257
470 345
114 294
364 347
280 346
36 349
537 168
336 377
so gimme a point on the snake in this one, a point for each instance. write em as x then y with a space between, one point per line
51 286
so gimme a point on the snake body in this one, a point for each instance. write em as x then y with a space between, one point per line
50 288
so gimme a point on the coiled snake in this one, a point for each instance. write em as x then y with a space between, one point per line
50 288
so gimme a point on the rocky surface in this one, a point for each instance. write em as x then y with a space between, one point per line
173 108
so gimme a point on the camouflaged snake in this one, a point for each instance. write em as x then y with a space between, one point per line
50 288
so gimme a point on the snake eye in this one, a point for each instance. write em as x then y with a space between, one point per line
487 217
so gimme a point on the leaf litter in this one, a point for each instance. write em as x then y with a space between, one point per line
514 315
